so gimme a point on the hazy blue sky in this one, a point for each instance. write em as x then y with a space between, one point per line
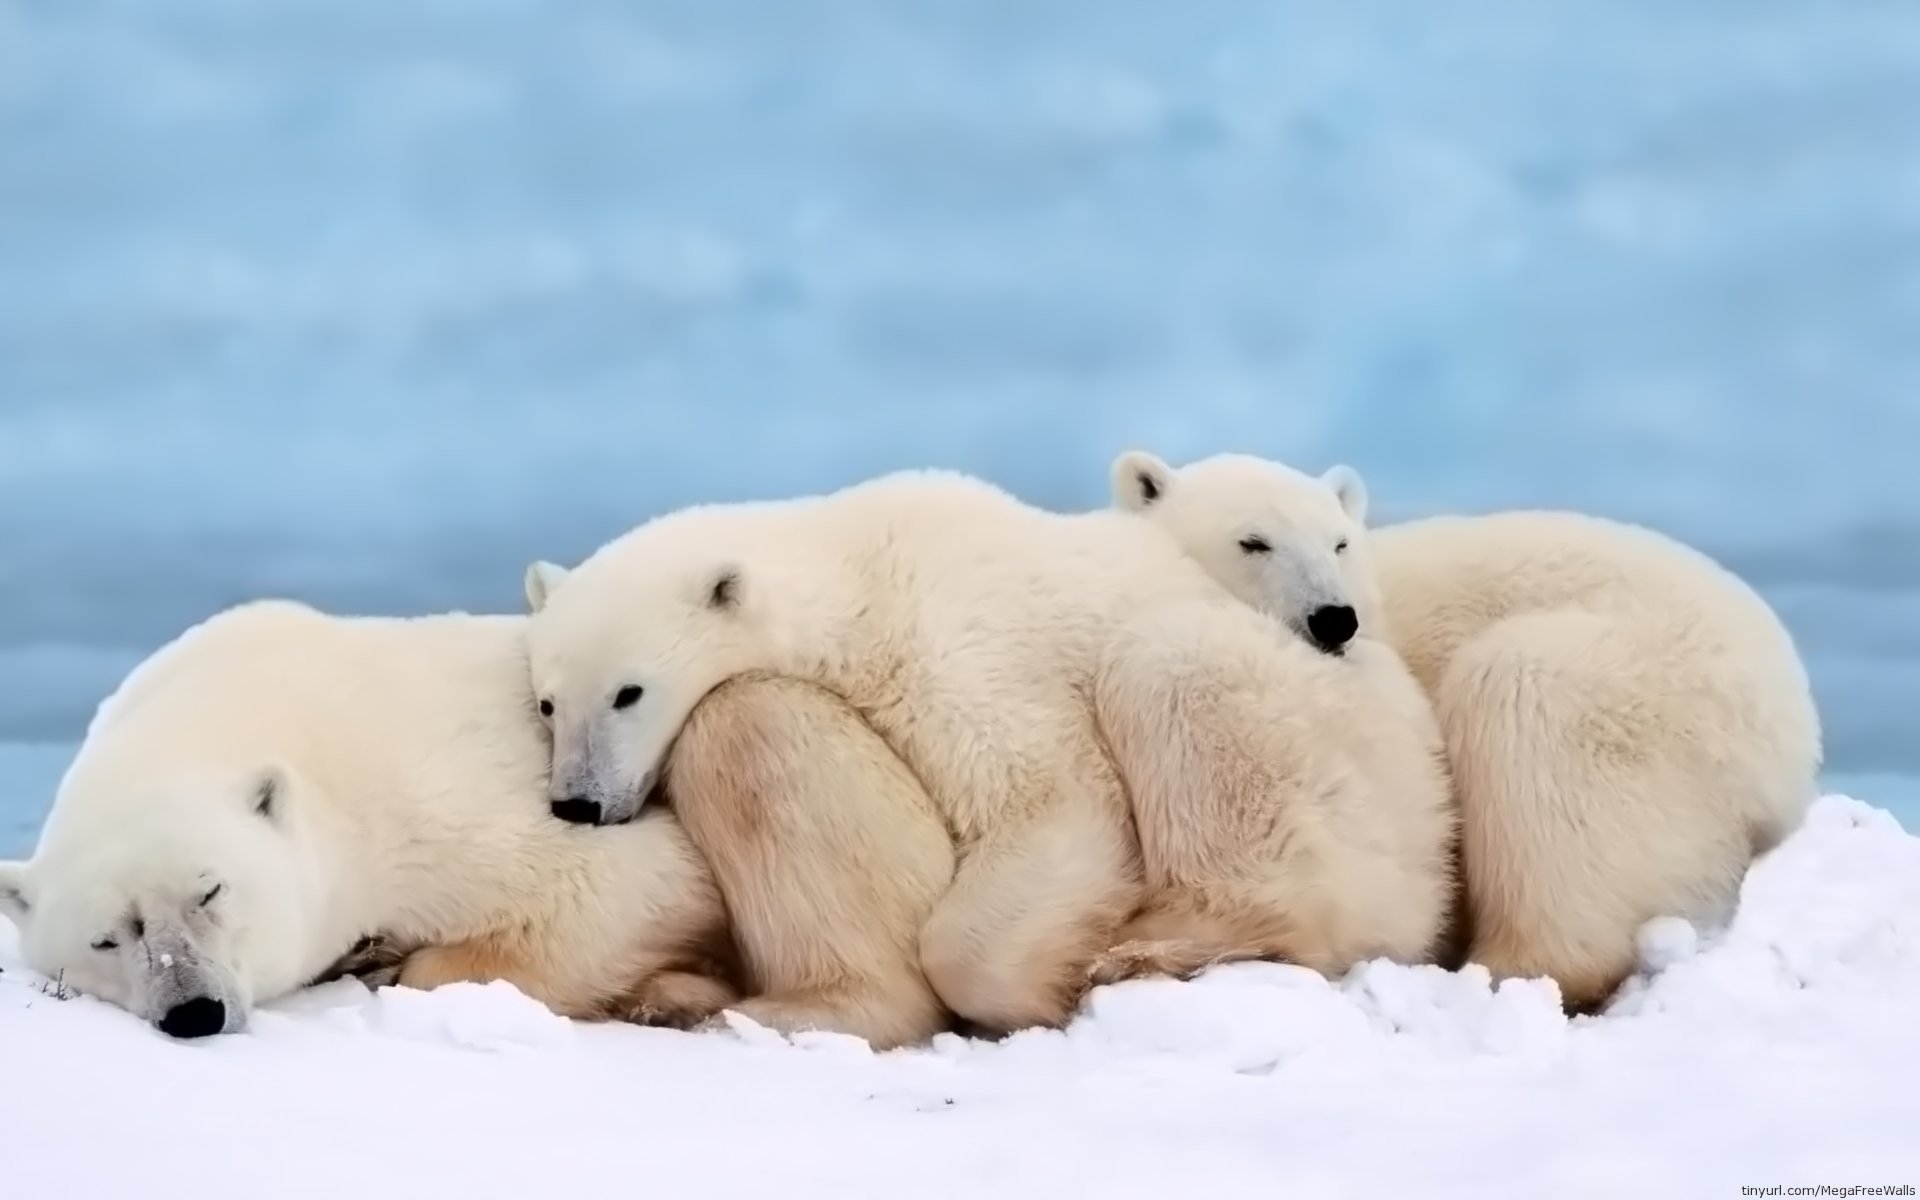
369 303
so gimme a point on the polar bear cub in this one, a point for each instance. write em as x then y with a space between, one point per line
1037 671
1628 724
278 783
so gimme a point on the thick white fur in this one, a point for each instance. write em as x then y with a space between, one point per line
403 775
829 854
1628 724
1034 669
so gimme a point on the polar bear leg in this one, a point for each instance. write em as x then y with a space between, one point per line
1583 772
670 996
1179 708
675 999
828 852
1031 905
485 959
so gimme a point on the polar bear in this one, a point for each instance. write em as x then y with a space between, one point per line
790 796
1121 750
1627 723
279 783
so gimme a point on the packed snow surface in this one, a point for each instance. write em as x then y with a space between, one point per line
1780 1051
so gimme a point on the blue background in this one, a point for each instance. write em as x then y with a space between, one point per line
370 302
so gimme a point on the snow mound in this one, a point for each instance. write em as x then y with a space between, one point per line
1779 1050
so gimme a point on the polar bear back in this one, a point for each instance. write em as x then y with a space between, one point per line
1446 579
915 566
967 626
430 711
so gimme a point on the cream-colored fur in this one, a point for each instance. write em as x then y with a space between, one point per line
828 852
1628 724
1021 663
335 777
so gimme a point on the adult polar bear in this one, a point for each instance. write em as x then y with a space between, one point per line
1628 724
278 782
1037 671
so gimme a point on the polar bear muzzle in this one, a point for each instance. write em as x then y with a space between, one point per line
1332 626
577 805
183 993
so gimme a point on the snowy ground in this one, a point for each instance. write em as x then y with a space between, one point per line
1780 1053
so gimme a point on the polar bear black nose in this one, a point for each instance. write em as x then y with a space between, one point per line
199 1017
1333 626
577 810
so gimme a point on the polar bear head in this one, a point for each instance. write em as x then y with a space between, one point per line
1287 543
624 646
174 876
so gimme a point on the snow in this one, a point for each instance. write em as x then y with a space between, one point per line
1778 1051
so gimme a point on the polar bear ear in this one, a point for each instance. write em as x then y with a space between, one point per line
1348 488
720 590
13 891
1139 479
542 578
269 795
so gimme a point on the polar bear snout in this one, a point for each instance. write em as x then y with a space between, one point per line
202 1016
1332 626
587 803
185 993
593 782
576 810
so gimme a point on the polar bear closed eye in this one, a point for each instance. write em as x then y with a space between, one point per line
191 910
